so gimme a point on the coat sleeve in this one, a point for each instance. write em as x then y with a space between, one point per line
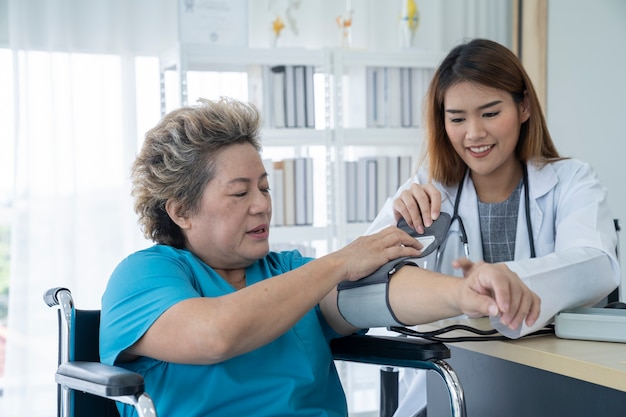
580 267
565 279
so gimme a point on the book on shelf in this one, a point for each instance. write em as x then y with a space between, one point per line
289 191
370 97
293 96
371 191
268 164
300 95
380 103
370 181
420 79
300 175
405 169
406 97
417 95
277 187
394 96
278 96
351 191
393 174
309 91
290 96
303 202
362 187
291 188
382 173
310 202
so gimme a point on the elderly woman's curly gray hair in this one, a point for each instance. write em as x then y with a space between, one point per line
178 157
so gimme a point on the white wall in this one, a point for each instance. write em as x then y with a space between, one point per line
586 96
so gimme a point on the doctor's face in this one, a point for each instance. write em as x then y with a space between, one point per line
483 125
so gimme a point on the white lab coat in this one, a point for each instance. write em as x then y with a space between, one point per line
574 235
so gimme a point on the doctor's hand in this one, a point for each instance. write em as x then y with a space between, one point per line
419 205
509 297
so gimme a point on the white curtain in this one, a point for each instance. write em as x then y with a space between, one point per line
84 91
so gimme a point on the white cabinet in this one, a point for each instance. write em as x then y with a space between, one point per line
341 130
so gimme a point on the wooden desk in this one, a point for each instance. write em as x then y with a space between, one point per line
540 376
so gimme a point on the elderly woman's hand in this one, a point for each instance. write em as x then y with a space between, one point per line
366 254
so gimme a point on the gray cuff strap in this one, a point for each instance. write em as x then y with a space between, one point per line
438 231
365 303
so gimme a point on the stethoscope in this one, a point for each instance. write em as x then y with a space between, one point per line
463 234
482 334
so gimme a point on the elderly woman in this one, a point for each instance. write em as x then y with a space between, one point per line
219 325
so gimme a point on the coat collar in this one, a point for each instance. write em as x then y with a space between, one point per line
542 178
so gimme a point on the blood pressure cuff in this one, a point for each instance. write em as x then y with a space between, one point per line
365 303
433 236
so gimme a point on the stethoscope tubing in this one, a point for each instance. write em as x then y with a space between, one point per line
463 233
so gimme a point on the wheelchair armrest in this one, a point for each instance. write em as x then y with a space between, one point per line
50 297
99 379
389 350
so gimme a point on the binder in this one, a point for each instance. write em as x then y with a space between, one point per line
351 191
406 97
300 191
309 91
394 98
278 96
289 192
278 194
290 96
300 95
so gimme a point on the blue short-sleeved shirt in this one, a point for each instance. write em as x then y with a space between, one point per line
292 376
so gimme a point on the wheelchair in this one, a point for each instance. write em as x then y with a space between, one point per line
88 388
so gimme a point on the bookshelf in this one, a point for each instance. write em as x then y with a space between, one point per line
341 132
355 137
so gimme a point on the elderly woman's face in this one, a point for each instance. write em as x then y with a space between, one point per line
231 227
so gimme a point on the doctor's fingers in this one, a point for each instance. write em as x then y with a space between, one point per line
494 279
525 306
516 302
419 205
475 304
466 265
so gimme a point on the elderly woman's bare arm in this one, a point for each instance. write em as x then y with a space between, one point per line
214 329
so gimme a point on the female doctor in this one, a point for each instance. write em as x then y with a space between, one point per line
491 165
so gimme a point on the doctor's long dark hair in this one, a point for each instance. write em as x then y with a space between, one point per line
490 64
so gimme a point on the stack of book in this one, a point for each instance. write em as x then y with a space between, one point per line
292 97
394 96
370 181
291 188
